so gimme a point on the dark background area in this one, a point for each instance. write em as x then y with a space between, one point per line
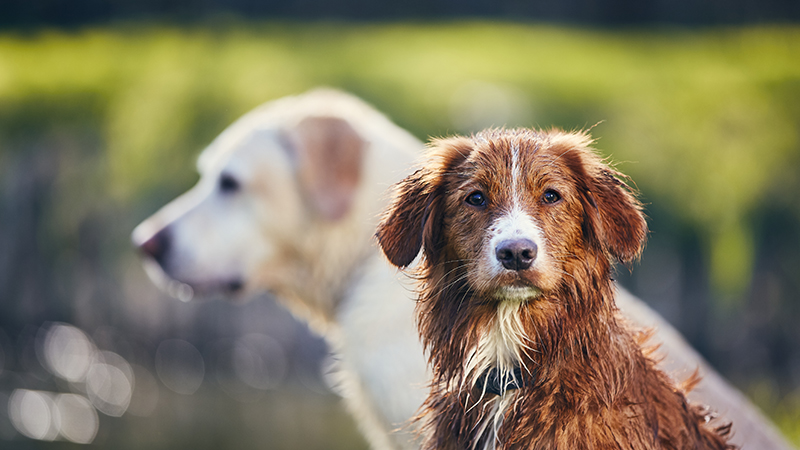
599 12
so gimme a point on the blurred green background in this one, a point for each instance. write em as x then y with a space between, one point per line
100 126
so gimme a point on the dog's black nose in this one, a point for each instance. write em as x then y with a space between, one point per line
516 254
157 246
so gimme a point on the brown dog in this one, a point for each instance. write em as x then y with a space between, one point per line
519 231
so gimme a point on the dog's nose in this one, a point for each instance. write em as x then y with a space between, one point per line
516 254
157 246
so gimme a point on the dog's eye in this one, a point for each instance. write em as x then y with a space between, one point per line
476 199
228 184
551 196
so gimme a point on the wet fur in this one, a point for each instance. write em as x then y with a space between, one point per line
587 381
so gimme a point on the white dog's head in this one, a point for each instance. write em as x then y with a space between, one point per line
286 201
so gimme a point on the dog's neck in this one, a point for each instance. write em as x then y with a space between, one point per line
500 346
514 343
519 344
334 256
323 274
467 335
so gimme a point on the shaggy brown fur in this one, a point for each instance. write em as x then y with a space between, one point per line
586 382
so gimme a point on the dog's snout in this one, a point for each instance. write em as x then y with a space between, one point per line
157 246
516 254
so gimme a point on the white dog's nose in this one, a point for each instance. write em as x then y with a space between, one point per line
516 254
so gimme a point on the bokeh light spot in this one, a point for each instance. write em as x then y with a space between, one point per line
259 361
67 352
77 418
109 389
180 366
31 413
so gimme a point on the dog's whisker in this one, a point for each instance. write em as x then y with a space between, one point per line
451 283
437 287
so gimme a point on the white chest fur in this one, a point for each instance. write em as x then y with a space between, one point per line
499 347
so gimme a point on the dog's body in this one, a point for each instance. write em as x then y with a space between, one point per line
288 201
259 220
518 230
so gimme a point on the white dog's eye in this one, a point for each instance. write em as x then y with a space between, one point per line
228 184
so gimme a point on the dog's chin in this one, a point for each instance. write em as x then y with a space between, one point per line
185 290
516 293
233 289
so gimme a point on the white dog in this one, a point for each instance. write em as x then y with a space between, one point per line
288 202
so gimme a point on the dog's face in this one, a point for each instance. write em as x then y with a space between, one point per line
246 225
518 212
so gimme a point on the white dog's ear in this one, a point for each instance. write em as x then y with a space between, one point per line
329 155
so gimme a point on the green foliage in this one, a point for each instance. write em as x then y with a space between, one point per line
704 120
783 408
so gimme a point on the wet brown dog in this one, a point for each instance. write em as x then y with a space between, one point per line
519 231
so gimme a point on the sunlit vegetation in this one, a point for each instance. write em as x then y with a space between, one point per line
706 121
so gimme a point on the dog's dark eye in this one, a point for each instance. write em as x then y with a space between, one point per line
551 196
228 184
476 199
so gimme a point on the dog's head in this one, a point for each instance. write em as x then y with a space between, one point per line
272 187
509 220
517 209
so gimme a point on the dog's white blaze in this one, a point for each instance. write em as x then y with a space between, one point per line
516 223
515 174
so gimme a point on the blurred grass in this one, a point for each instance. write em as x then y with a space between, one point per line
785 410
705 121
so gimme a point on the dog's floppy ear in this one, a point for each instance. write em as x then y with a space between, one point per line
414 219
329 155
401 229
612 213
623 228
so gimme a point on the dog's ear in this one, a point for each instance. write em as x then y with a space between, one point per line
402 227
329 155
622 225
414 219
613 215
